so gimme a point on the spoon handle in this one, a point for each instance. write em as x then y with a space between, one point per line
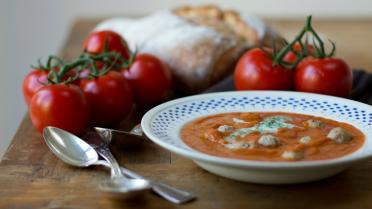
168 192
115 167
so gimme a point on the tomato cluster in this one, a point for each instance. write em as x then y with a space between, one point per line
99 88
298 65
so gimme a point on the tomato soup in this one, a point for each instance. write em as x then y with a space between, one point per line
272 136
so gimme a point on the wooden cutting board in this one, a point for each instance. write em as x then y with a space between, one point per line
32 177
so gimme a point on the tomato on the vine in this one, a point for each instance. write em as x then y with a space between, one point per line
60 105
109 96
255 71
291 57
96 42
331 76
149 78
38 78
33 81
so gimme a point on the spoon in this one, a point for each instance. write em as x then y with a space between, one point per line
74 151
104 136
135 131
81 154
125 139
118 181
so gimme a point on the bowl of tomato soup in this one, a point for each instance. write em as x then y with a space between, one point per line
270 137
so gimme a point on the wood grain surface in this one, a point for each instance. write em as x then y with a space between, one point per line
32 177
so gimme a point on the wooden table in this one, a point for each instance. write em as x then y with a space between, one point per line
32 177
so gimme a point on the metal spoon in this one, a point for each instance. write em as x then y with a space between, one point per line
125 139
85 156
100 140
73 150
169 193
118 181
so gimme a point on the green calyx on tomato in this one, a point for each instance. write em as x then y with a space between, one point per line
300 48
103 51
59 72
101 64
298 65
318 71
88 90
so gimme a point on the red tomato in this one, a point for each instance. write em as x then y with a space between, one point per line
95 43
60 105
84 74
109 97
291 57
72 74
149 78
36 79
32 83
255 71
330 76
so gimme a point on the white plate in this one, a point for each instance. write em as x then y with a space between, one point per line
163 123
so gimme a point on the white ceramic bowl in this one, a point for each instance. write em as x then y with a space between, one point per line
163 123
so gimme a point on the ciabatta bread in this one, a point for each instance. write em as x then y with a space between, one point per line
200 44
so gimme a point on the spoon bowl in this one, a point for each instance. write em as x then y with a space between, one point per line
116 186
74 151
69 148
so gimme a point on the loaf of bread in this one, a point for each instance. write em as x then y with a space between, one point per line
201 45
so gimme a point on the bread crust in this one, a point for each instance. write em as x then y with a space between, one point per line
201 45
228 22
238 37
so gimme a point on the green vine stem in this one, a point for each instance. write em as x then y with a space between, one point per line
59 70
318 45
278 58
